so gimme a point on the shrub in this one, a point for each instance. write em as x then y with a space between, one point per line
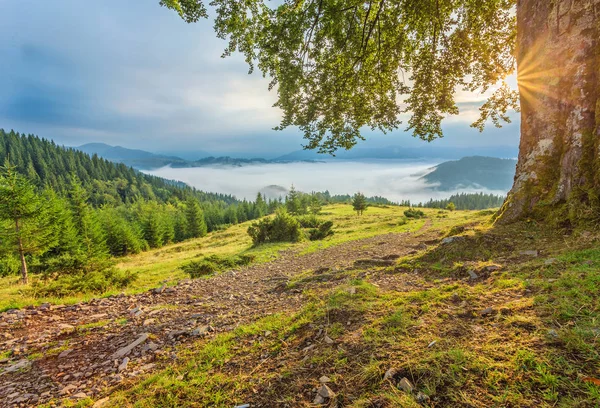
321 232
83 283
451 206
413 213
215 263
309 221
281 228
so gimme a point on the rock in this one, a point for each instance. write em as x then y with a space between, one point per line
550 261
123 365
324 379
449 240
422 398
126 350
473 275
242 406
552 334
19 365
201 331
328 340
160 290
148 322
352 290
492 268
64 326
487 311
405 385
323 394
65 353
67 390
390 374
533 253
101 402
80 395
430 345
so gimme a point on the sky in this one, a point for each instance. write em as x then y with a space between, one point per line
132 73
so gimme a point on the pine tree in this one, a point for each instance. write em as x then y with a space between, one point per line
32 229
315 204
359 203
86 222
196 226
293 203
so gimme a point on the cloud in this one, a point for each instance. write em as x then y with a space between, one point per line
395 180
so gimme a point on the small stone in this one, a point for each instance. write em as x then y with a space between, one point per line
550 261
390 374
492 268
553 334
64 326
243 406
448 240
533 253
123 365
325 393
160 290
328 340
65 353
422 398
268 333
80 395
324 379
200 331
430 345
126 350
67 390
405 385
352 290
473 275
487 311
148 322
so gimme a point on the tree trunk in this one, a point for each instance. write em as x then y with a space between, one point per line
24 278
558 58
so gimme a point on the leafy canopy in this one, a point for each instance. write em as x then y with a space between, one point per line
341 65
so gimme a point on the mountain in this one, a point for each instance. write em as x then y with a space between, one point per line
138 159
473 171
398 152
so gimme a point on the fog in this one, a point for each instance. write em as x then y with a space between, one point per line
392 179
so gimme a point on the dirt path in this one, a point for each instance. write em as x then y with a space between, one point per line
81 351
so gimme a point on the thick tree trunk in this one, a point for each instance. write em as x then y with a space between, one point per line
558 60
24 277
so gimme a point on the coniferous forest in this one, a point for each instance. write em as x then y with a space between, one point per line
75 211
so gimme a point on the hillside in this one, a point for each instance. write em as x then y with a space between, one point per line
47 164
446 311
473 172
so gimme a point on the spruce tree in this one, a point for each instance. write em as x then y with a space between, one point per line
196 226
32 231
359 203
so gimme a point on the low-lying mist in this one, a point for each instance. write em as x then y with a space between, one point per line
394 180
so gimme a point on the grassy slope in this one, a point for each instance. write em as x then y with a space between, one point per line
162 265
538 347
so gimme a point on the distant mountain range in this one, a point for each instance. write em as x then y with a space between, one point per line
397 152
138 159
143 160
473 172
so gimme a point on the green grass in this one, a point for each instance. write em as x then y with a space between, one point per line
538 348
164 265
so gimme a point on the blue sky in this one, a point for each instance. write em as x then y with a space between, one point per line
132 73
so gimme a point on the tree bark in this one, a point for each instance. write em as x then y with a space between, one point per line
558 59
24 277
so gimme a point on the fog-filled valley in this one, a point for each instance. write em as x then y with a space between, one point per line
395 180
